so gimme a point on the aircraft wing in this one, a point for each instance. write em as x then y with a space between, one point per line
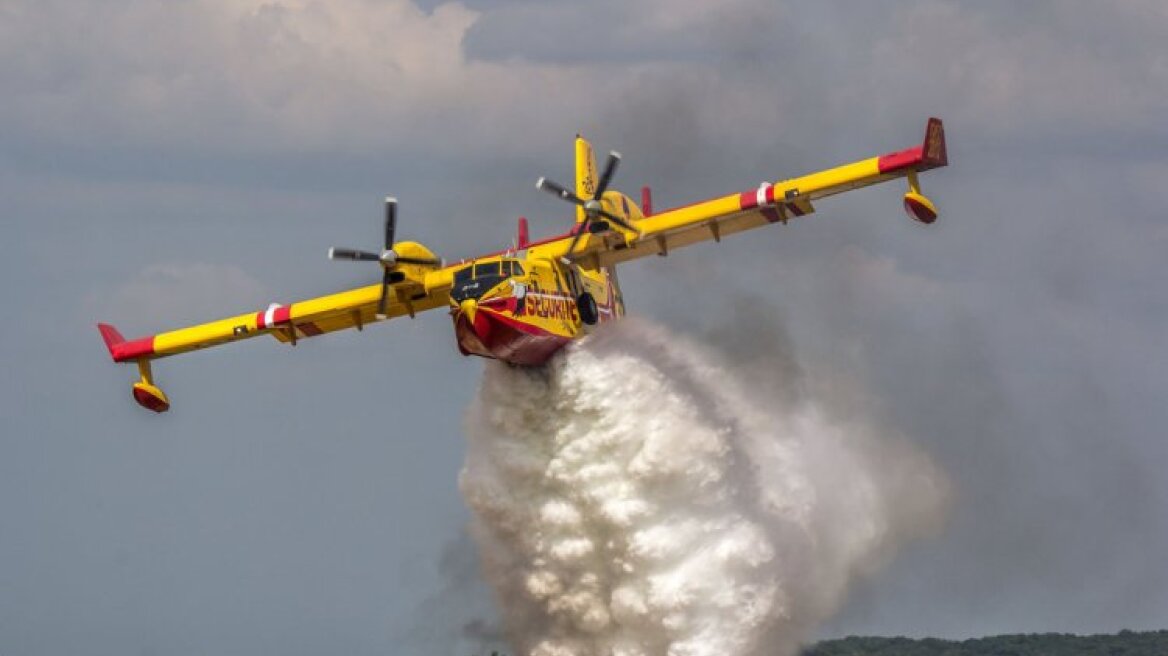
290 323
769 203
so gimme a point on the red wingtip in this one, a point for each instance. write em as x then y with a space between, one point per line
122 350
933 151
111 336
930 154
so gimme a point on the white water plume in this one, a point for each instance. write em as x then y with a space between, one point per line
636 498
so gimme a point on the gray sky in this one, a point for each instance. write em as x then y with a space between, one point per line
163 163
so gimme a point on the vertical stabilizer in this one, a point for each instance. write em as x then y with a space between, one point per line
522 239
585 174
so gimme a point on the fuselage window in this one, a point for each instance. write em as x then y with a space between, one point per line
516 269
462 275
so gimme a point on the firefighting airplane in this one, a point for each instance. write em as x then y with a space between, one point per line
523 304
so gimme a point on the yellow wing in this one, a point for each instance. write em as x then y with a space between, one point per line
354 308
775 202
418 291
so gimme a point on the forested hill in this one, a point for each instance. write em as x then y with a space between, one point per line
1124 643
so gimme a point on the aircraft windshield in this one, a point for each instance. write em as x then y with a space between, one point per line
474 280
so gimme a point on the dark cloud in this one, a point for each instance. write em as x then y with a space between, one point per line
458 617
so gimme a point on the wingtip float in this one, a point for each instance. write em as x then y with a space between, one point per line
523 304
145 392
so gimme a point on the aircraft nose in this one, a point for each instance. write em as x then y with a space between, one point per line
469 308
479 322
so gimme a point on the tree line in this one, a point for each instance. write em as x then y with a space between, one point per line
1124 643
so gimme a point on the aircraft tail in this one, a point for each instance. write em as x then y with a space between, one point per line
585 174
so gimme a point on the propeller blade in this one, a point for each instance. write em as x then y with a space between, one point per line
423 261
390 221
614 159
592 207
353 255
576 237
557 190
619 221
384 300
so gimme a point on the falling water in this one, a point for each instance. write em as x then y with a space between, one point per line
637 498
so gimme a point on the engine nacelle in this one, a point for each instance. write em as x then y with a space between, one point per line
413 250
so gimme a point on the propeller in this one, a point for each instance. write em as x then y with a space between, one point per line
388 258
592 207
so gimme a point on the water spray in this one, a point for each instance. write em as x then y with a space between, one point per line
636 498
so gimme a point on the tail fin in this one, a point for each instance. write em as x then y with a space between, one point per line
585 174
522 239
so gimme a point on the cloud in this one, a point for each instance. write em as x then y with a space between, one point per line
274 76
225 73
175 293
1020 71
301 76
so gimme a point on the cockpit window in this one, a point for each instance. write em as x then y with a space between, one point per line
486 269
477 279
474 280
512 268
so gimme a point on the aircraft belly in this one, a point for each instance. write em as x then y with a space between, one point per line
494 335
